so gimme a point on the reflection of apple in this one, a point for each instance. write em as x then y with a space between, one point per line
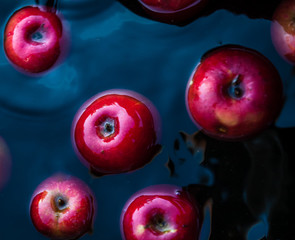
5 163
234 93
161 212
283 30
116 131
62 207
34 39
173 11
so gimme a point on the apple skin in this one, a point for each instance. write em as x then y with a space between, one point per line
132 140
35 39
234 93
283 30
161 212
173 11
63 207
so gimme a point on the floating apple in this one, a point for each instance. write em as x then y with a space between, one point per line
161 212
283 30
34 39
234 93
116 131
173 11
63 207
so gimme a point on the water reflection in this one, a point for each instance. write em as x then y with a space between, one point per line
253 191
78 9
5 163
253 9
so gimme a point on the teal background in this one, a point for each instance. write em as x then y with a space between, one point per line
112 47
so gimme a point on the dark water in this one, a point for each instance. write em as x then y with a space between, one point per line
247 187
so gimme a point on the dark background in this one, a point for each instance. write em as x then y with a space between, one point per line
246 188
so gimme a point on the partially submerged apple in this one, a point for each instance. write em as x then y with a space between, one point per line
116 131
35 39
173 11
63 207
283 30
234 93
161 212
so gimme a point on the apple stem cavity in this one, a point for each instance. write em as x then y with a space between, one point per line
235 89
158 224
37 36
60 203
107 127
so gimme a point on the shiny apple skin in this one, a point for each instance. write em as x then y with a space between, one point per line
283 30
72 219
173 11
135 138
35 39
220 113
169 205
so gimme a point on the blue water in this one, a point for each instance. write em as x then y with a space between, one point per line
111 47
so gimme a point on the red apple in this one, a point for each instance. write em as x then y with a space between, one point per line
161 212
283 30
34 39
63 207
116 131
173 11
5 163
234 93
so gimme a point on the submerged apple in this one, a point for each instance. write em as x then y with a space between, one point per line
161 212
35 39
116 131
283 30
63 207
234 93
173 11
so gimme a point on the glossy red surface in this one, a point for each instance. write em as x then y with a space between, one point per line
33 39
71 221
134 140
170 214
173 11
219 114
283 30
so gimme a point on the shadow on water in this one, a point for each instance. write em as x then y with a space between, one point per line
79 9
253 188
252 8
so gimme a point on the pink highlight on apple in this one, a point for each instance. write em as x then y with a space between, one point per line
234 93
161 212
116 131
283 30
63 208
173 11
35 39
5 163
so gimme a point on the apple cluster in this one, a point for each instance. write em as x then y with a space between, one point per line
234 93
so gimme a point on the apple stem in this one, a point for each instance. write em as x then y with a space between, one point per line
235 89
52 5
